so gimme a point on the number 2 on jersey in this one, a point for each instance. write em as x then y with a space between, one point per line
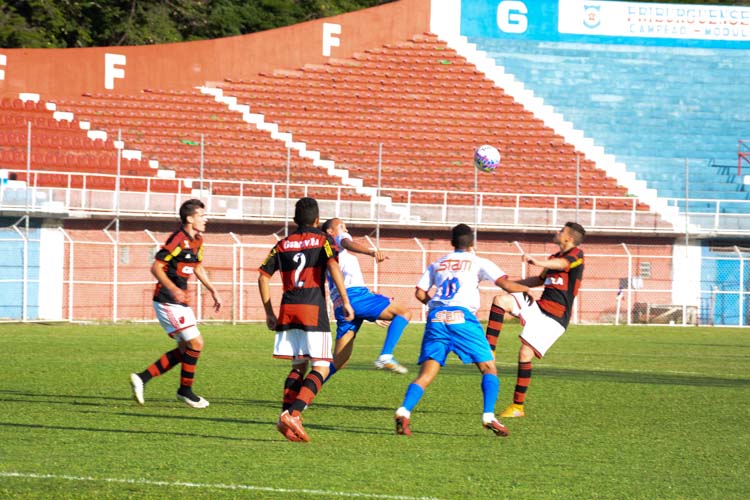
449 288
300 260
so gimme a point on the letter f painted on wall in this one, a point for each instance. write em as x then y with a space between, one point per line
111 71
330 38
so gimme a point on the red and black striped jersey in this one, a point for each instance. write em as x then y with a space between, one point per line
180 255
302 259
561 287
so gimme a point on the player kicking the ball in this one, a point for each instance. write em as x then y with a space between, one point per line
180 257
367 305
546 319
453 326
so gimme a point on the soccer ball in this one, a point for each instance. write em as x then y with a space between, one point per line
487 158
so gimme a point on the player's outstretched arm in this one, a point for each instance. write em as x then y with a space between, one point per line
264 288
202 275
511 286
355 247
531 282
556 264
178 294
338 280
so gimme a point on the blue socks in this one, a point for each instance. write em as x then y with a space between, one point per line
331 371
490 390
413 394
395 329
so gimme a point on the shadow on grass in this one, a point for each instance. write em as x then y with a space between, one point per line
106 401
129 431
224 420
640 377
192 435
386 429
104 406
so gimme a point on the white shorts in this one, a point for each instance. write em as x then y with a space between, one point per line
297 344
539 331
177 320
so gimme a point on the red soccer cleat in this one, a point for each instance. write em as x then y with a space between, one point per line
294 425
286 431
402 426
496 427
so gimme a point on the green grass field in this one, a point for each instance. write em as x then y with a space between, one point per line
612 413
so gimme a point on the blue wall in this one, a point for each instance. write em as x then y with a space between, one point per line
723 271
538 20
11 268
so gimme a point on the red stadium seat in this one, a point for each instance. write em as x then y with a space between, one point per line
418 98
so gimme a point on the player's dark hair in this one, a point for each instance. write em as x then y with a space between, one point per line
579 233
189 208
462 237
306 211
327 225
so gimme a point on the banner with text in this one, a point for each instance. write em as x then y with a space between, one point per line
590 21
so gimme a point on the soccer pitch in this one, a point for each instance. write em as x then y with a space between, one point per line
612 413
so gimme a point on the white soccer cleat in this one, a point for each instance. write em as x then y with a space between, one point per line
391 365
137 385
192 400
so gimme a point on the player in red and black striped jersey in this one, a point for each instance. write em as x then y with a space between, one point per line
178 259
546 319
303 332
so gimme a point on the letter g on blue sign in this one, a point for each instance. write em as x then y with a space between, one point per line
511 16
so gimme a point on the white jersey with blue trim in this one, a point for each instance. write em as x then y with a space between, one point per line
349 265
456 277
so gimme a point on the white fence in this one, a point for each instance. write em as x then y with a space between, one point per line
51 273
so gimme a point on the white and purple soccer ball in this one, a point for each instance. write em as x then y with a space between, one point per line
487 158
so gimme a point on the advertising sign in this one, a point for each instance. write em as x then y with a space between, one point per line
591 21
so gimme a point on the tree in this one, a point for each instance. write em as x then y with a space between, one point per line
68 23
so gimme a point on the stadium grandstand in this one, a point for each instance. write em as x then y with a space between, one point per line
630 120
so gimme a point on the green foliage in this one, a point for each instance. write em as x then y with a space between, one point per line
68 23
65 23
37 23
612 413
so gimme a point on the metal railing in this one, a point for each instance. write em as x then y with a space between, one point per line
87 194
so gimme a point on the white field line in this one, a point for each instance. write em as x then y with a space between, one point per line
207 486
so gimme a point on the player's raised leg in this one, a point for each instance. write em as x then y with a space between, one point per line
399 317
495 322
342 351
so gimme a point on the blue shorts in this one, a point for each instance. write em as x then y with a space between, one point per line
454 329
367 306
